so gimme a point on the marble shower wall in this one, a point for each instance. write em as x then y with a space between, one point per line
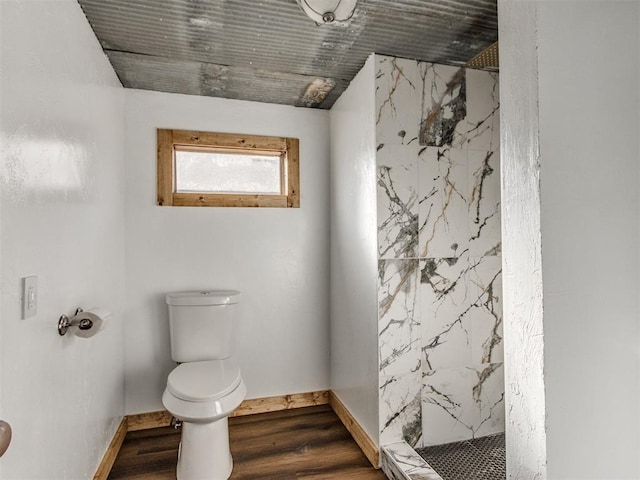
439 265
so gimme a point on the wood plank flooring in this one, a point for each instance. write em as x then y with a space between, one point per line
305 443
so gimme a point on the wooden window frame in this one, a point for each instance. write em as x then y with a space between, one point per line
286 148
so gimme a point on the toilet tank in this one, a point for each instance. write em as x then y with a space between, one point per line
200 324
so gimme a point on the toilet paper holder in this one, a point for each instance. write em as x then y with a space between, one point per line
64 323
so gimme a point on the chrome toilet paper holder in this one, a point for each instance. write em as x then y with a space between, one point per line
64 323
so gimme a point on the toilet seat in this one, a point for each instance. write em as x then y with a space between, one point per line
201 392
204 381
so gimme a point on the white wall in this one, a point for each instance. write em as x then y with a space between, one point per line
278 258
521 242
354 314
589 122
62 220
588 61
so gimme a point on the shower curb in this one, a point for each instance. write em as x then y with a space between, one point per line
399 461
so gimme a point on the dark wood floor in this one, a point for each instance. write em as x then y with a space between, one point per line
308 443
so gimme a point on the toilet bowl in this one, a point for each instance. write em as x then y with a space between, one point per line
203 394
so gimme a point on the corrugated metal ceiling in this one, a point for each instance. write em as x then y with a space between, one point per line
270 51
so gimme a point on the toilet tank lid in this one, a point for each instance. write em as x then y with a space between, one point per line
203 297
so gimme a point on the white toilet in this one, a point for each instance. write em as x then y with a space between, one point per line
206 387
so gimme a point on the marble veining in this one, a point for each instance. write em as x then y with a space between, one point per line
390 469
397 201
436 105
446 332
485 280
398 84
484 202
481 174
401 409
444 103
480 129
439 245
444 202
462 403
401 462
461 311
398 324
459 202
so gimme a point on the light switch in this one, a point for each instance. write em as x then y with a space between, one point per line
29 296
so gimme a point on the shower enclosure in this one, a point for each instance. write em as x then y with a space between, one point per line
416 267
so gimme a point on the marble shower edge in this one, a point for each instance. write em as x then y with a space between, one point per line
401 462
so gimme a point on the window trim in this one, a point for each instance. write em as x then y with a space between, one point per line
286 148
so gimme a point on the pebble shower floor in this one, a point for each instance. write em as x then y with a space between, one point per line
478 459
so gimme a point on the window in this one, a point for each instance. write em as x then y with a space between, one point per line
227 170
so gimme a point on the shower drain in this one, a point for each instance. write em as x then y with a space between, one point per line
478 459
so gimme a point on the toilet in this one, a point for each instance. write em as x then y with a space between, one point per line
206 386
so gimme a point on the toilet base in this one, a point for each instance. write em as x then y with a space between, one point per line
204 451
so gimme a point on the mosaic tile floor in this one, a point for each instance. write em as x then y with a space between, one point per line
478 459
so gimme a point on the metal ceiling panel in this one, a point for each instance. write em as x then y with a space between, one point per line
206 79
271 51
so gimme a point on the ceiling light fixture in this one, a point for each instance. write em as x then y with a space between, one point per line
328 11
